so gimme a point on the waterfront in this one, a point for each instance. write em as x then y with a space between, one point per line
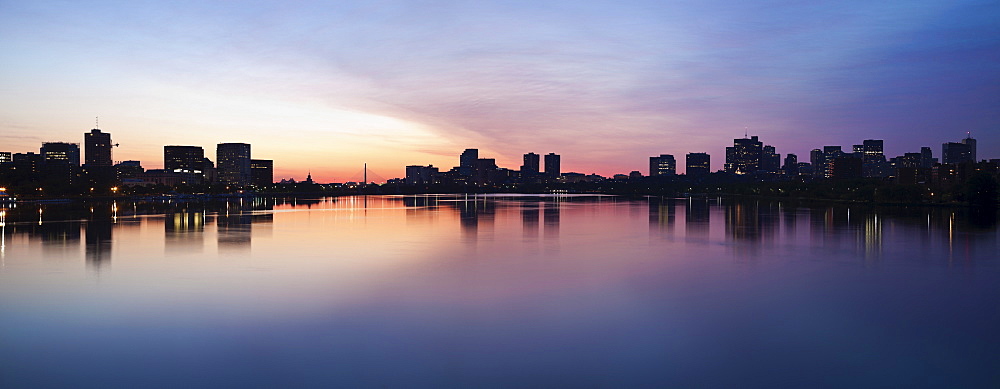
498 291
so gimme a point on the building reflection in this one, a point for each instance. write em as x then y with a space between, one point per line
234 224
529 220
662 215
184 230
551 216
99 236
697 217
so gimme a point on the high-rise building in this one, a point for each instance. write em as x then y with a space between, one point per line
262 172
467 162
698 164
552 168
97 148
416 174
233 163
952 152
744 156
969 141
927 159
28 165
770 160
664 165
824 168
60 162
791 167
6 157
816 162
531 164
183 157
60 153
873 164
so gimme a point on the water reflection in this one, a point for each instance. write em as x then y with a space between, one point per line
750 226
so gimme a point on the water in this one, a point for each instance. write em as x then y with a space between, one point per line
445 291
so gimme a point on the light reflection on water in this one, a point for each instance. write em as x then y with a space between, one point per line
506 290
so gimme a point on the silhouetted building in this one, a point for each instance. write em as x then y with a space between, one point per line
698 164
60 162
486 171
954 153
97 148
467 162
262 172
233 163
823 167
927 159
27 165
872 158
416 174
770 160
127 170
969 141
552 168
6 157
791 167
744 156
183 157
846 167
664 165
816 161
531 164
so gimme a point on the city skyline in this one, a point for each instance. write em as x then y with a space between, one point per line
325 88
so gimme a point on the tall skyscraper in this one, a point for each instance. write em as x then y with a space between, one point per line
552 168
233 163
770 160
664 165
97 148
531 164
467 162
698 164
873 164
927 159
829 155
969 141
952 152
791 167
744 156
262 172
816 162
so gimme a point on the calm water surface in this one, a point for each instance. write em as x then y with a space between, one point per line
444 291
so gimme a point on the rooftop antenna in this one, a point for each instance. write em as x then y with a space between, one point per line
97 122
366 173
746 132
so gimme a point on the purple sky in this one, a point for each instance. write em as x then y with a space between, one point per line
327 86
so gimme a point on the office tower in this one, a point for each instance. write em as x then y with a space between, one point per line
770 160
952 152
208 171
969 141
128 169
552 168
824 167
485 171
927 159
791 167
467 162
27 164
664 165
60 153
816 162
6 157
416 174
262 172
234 163
183 158
698 164
744 156
531 164
872 158
97 148
60 162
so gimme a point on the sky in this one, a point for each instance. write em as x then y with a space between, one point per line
325 87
